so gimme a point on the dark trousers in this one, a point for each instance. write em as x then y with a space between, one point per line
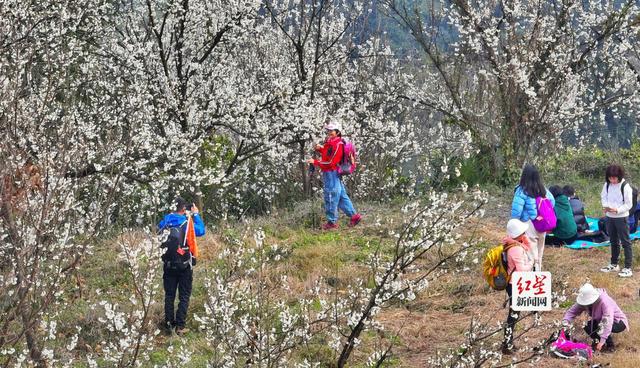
510 326
618 230
180 281
592 330
554 240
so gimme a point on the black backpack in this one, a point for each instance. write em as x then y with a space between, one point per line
177 255
633 214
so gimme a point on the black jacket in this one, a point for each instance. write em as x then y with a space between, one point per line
578 214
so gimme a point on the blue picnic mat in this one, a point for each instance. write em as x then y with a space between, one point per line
593 226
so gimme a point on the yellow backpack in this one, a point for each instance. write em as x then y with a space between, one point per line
494 267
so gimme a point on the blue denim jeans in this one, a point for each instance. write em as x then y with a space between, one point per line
335 197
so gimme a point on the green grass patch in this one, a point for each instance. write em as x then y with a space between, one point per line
309 238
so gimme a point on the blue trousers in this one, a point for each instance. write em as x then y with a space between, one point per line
335 197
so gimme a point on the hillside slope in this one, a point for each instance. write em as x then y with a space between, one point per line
433 324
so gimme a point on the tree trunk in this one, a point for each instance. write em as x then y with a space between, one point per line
32 340
304 167
28 322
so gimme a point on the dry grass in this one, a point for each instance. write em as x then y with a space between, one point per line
436 321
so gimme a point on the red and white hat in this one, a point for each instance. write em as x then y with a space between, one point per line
333 125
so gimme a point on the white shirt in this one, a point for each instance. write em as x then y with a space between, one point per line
613 198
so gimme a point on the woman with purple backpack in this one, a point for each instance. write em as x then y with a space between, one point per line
528 196
335 193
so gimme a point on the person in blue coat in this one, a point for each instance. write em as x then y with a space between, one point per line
523 208
176 276
178 217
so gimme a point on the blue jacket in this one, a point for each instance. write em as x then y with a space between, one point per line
174 219
524 207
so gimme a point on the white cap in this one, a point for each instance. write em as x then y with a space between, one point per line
515 228
333 125
587 295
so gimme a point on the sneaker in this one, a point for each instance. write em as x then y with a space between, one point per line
355 220
329 226
610 268
508 349
626 272
181 331
608 349
564 354
166 327
609 346
609 342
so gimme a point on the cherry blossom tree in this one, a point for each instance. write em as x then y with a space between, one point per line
516 74
110 108
48 218
225 105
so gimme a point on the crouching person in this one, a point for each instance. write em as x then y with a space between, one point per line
605 316
179 230
518 248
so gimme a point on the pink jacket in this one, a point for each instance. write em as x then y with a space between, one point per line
517 256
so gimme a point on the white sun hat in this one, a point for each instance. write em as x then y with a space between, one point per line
515 228
333 125
587 295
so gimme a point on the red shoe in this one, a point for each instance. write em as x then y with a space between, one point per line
329 226
355 220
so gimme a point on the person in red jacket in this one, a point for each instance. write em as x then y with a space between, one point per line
335 194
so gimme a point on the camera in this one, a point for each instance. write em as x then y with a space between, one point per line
189 206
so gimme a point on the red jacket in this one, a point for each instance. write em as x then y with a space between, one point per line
331 154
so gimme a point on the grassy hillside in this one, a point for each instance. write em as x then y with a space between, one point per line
434 323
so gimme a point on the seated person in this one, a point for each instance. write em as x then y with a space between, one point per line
632 221
634 217
577 207
566 230
605 316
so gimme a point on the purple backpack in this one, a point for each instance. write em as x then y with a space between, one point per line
568 349
546 220
347 164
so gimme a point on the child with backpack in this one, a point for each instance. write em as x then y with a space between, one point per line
335 193
533 204
518 259
617 200
605 316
